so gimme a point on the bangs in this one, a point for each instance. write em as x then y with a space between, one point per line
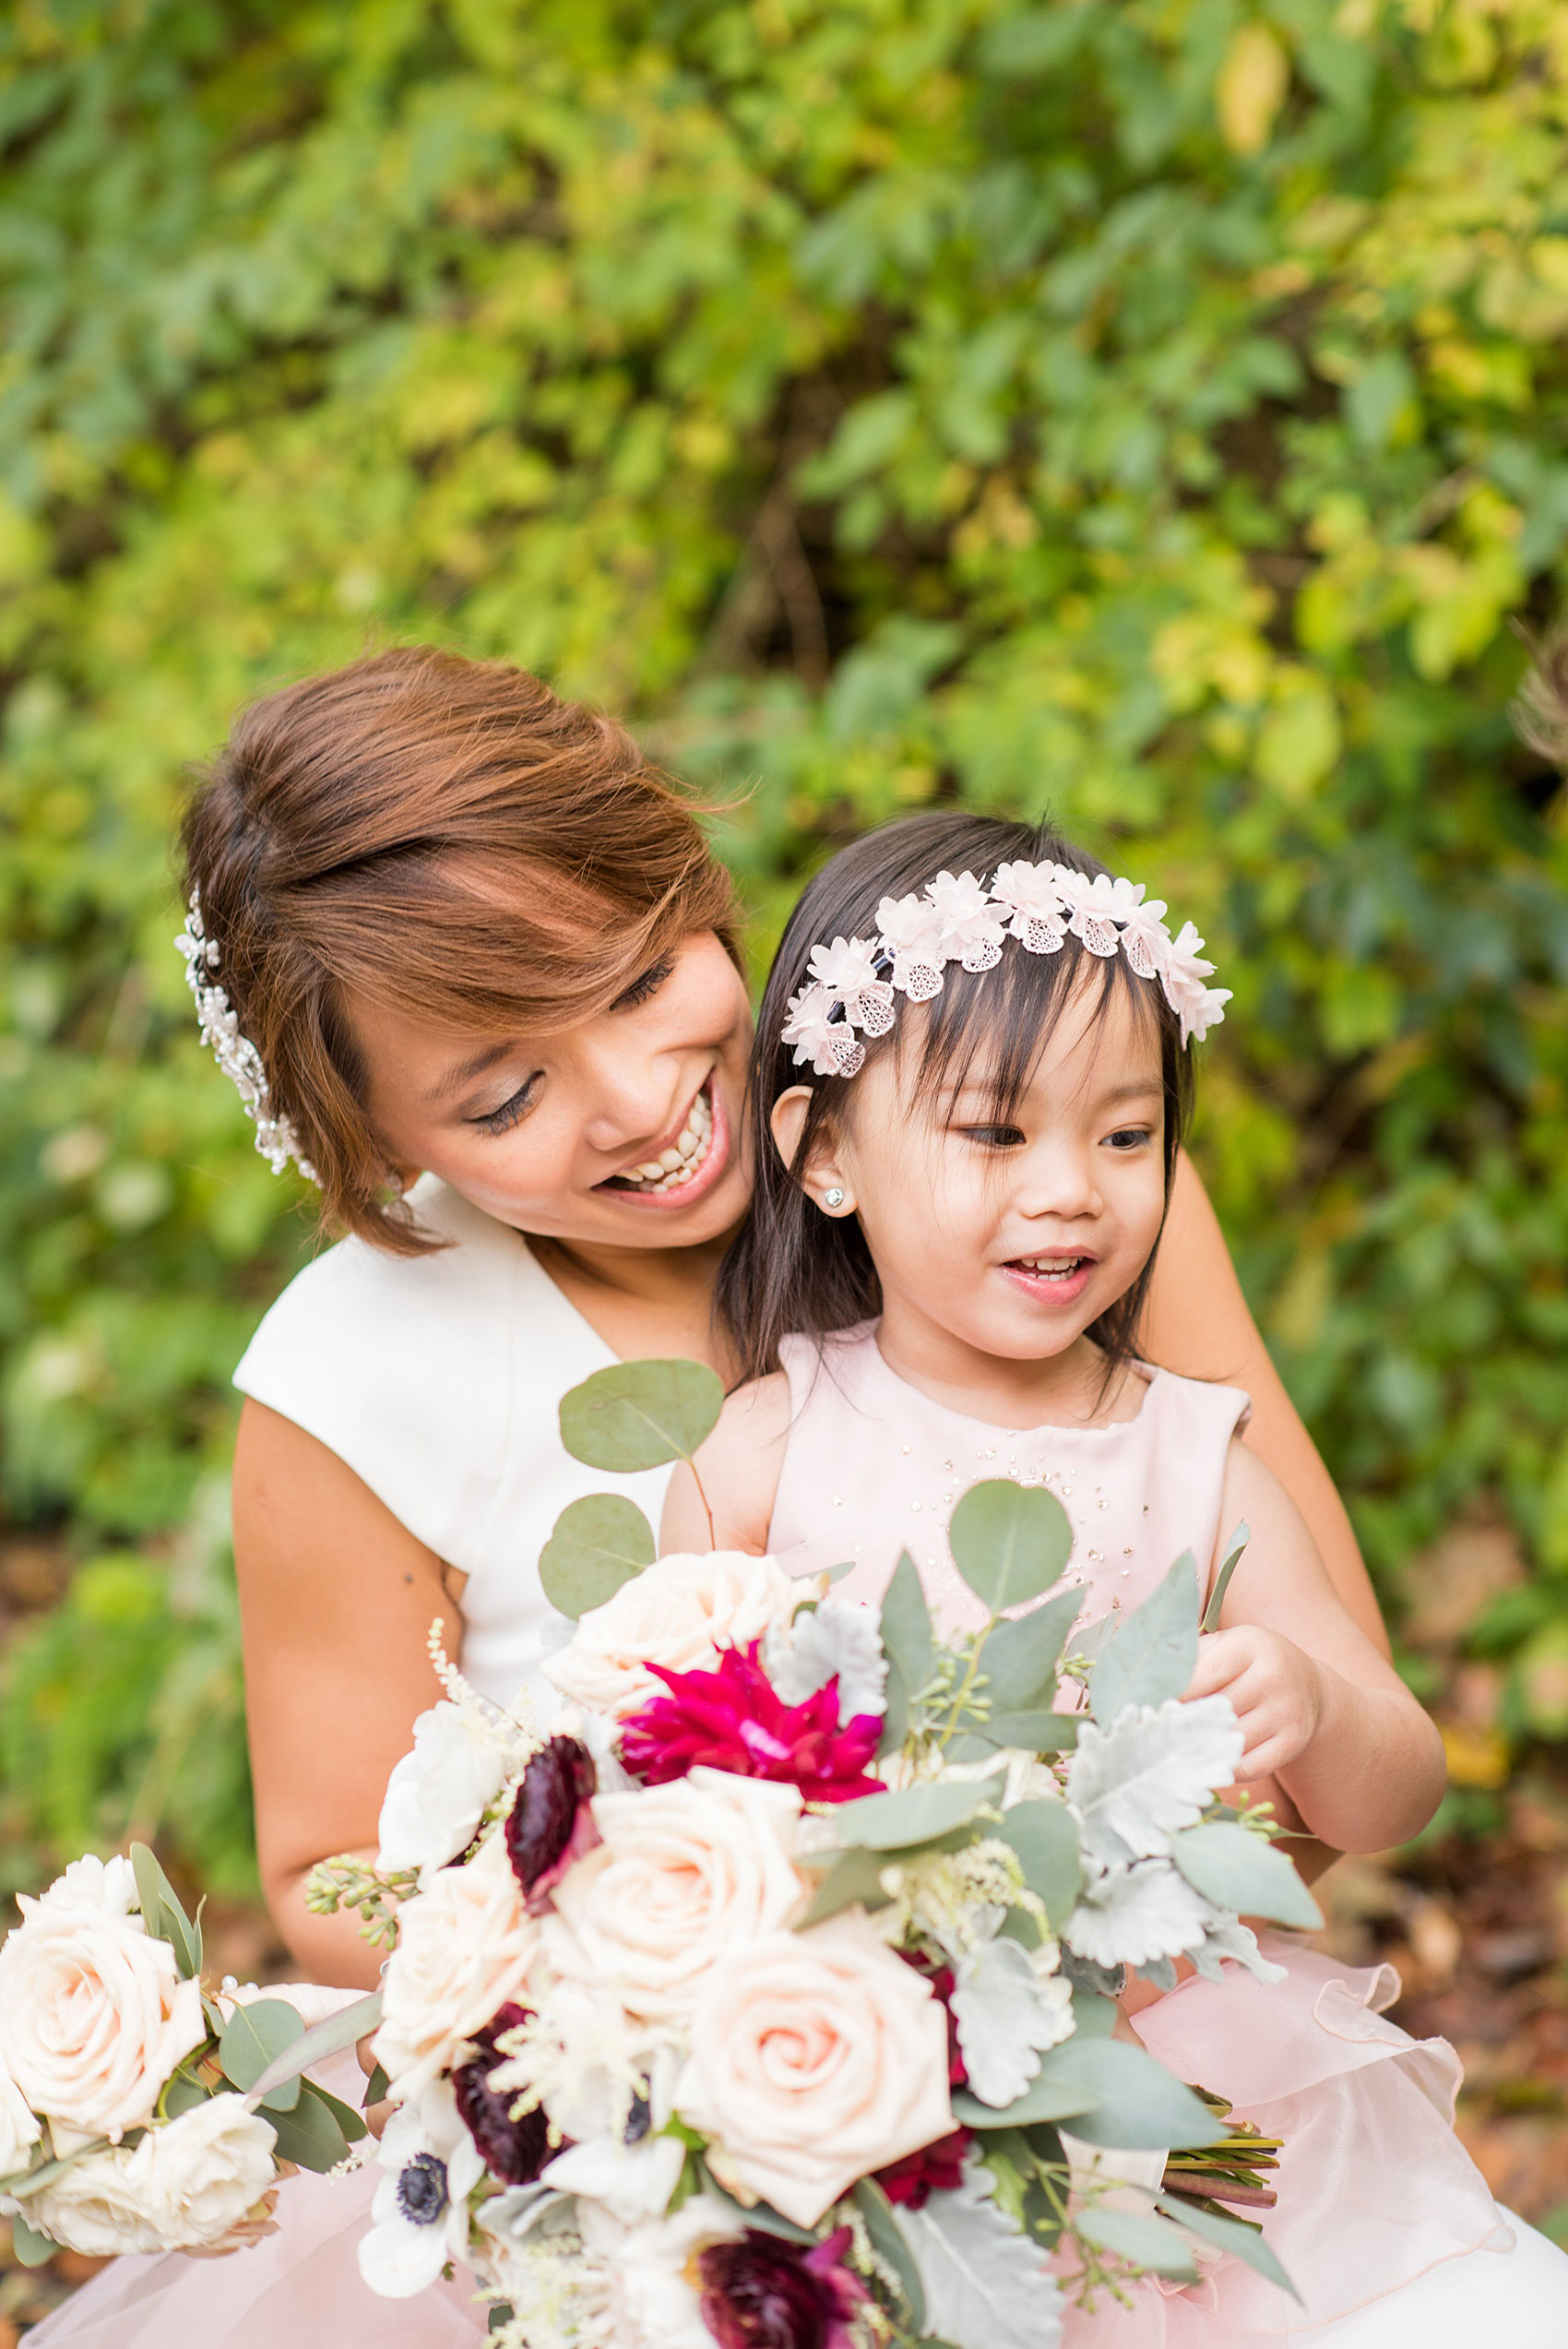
501 942
992 1028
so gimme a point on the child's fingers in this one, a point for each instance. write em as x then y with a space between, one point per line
1223 1658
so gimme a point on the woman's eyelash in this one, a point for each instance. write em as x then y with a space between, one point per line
648 983
502 1120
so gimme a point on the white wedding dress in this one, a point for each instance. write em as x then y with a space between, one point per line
438 1379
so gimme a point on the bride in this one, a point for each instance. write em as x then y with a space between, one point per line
474 970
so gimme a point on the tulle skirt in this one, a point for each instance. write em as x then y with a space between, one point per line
1383 2221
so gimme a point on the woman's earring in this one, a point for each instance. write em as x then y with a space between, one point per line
833 1198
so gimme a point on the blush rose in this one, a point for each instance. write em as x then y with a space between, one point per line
682 1874
464 1949
821 2057
679 1612
93 2015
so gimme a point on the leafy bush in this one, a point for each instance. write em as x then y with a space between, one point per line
1155 413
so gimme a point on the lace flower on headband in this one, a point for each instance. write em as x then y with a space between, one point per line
235 1054
956 918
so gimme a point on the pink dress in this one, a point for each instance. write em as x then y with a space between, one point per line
1380 2210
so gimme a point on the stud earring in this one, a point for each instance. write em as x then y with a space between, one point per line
834 1197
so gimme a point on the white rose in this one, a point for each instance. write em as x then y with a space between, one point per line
93 2015
109 1884
650 2266
683 1873
464 1948
201 2175
678 1613
437 1795
821 2056
19 2126
96 2207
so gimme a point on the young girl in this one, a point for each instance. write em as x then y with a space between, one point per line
970 1088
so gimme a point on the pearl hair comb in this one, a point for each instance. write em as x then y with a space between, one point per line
235 1054
853 984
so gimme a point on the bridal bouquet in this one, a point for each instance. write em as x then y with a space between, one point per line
136 2109
770 2000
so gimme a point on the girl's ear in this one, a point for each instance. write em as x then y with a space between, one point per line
822 1177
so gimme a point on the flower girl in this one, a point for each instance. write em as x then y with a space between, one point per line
971 1078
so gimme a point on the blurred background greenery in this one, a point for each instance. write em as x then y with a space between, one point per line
1152 410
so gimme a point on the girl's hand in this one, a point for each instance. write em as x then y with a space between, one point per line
1274 1688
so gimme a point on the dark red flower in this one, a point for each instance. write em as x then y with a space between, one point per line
937 2168
549 1823
763 2293
942 1987
514 2150
734 1719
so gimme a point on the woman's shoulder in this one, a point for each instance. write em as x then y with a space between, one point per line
419 1372
353 1302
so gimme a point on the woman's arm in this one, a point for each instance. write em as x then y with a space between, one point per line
1198 1324
336 1600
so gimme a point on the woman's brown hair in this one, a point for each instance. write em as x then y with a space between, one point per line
448 837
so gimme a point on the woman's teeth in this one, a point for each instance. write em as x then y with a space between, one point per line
680 1162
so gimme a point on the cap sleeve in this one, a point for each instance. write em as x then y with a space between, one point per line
403 1366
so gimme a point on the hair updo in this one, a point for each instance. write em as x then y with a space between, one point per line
450 837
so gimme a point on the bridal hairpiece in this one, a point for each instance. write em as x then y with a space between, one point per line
956 919
235 1054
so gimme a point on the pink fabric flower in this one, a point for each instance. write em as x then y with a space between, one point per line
734 1719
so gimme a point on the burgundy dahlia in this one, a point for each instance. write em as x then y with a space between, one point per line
734 1719
937 2168
514 2150
762 2293
549 1823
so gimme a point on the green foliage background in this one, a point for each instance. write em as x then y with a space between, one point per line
1157 411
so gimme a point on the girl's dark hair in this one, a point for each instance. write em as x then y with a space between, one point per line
445 836
794 1269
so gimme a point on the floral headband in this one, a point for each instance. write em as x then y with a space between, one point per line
235 1054
956 919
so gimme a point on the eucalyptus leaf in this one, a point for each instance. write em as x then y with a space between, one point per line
376 2088
905 1624
889 2241
47 2172
598 1543
896 1710
183 2095
1236 1869
1019 1657
162 1913
641 1414
30 2248
1010 1542
852 1879
914 1815
1151 2243
314 2134
1043 2099
1134 2101
1228 1566
1095 2011
331 2036
253 2038
1045 1836
1242 2238
1038 1732
1149 1657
